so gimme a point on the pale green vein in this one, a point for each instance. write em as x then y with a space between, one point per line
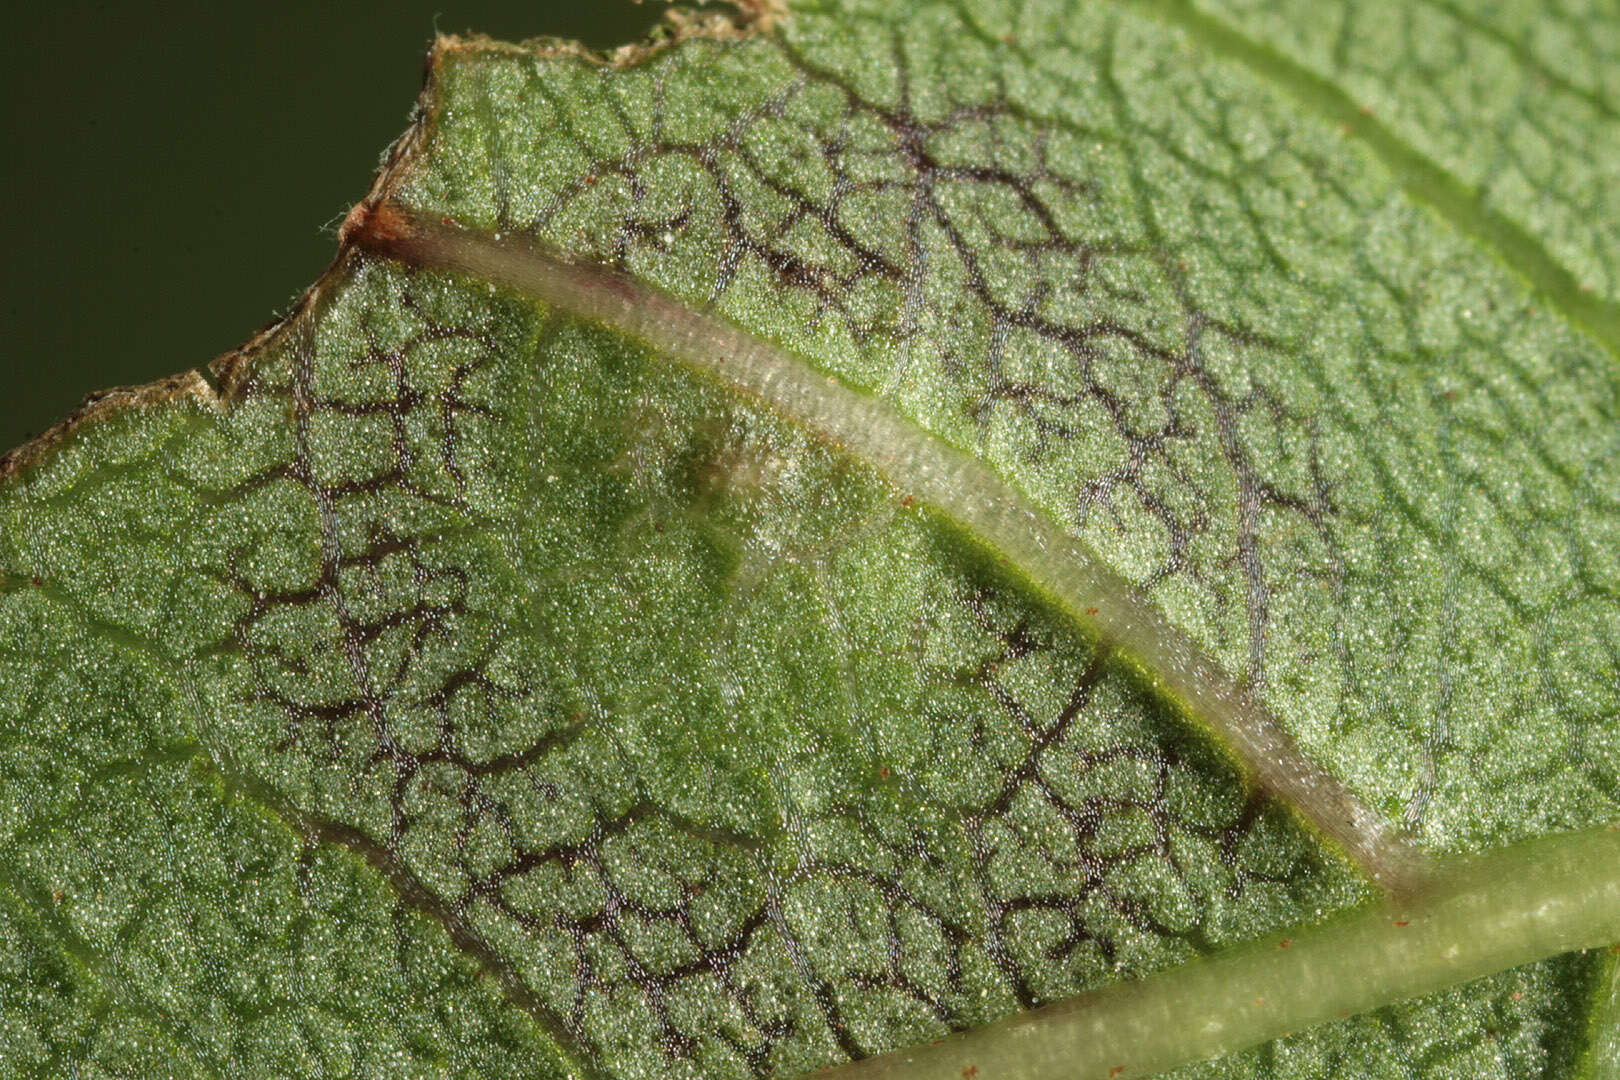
938 475
1550 896
1418 175
412 891
100 976
1521 52
1602 1059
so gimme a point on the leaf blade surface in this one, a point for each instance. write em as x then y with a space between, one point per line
712 754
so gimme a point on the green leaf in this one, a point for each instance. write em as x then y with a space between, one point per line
853 523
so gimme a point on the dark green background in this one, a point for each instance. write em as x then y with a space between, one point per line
174 180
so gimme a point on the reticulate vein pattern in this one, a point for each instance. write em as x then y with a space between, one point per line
466 688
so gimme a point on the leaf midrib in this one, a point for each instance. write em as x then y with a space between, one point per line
966 492
1476 918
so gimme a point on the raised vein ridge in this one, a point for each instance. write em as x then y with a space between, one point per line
1417 174
411 890
938 475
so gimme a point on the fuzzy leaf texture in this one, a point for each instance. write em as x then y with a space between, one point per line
850 524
